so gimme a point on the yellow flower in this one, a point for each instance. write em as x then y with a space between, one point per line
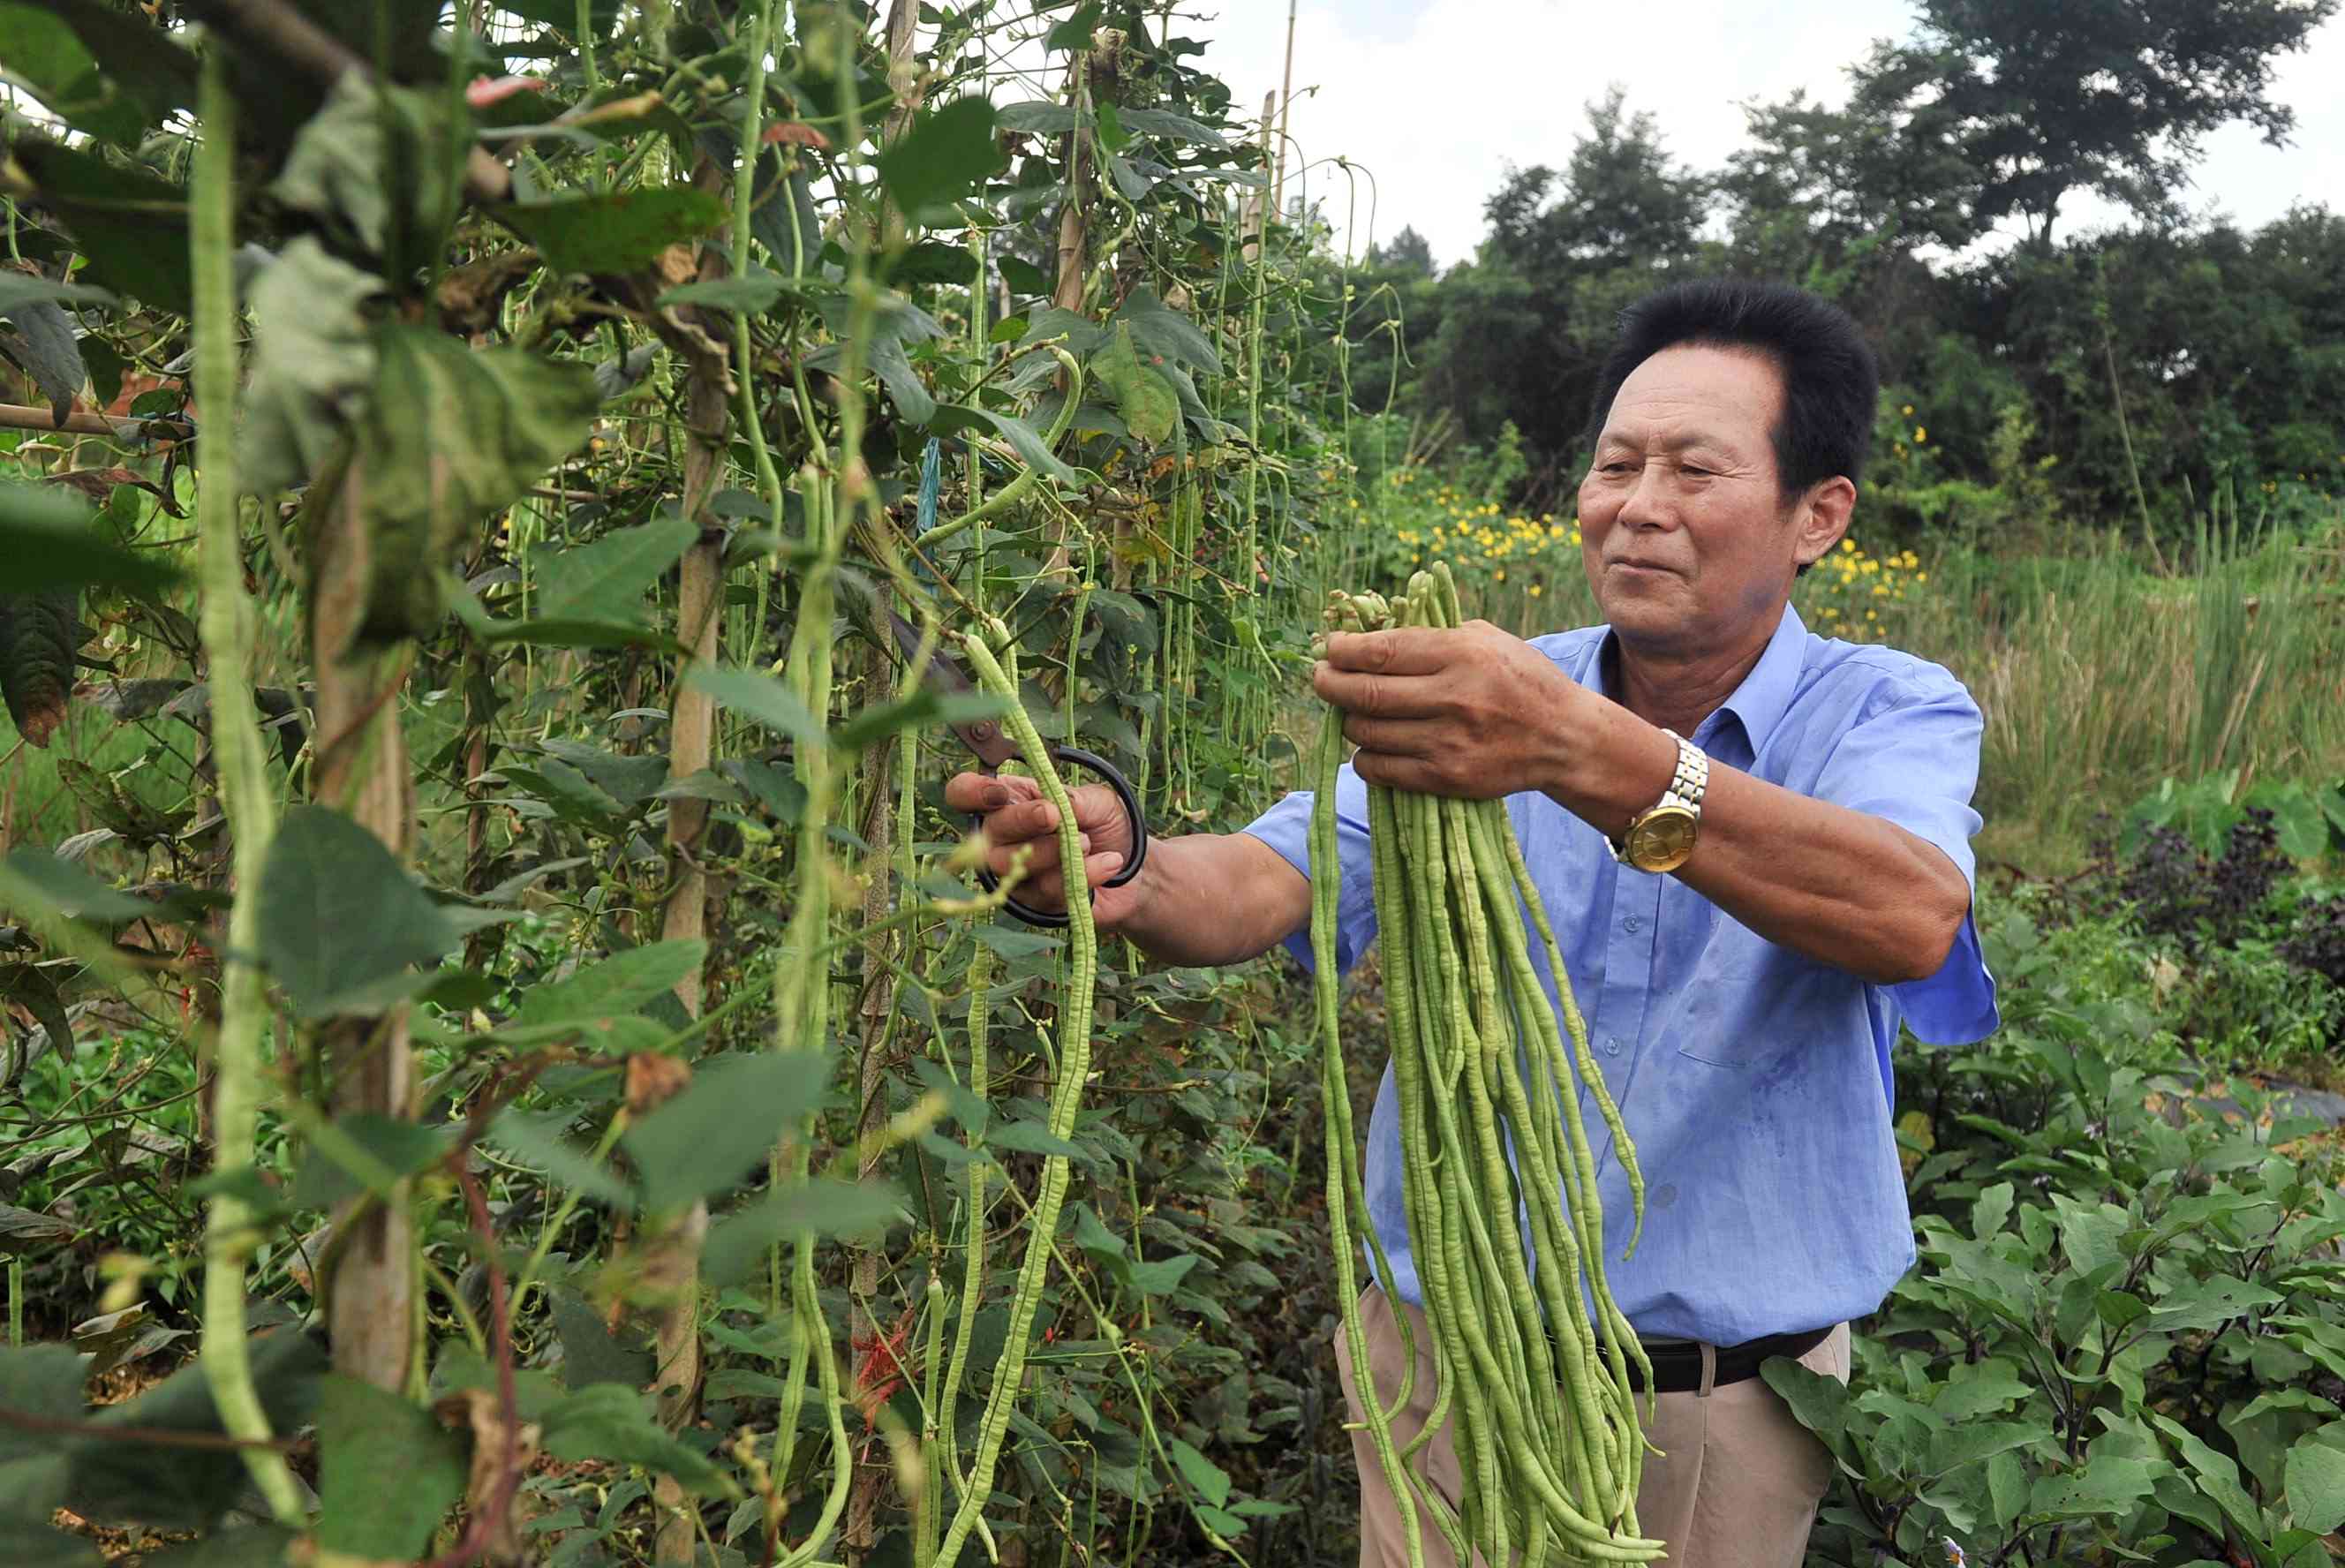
1907 410
1536 590
1873 615
1847 546
1502 576
1921 576
1921 434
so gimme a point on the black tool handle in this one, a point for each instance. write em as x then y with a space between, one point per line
1076 756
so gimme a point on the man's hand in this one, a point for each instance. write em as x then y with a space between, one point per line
1474 712
1017 815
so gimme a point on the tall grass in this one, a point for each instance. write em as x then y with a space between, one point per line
2099 680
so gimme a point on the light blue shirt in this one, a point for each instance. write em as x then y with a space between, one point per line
1754 1083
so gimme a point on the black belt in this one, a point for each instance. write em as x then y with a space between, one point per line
1677 1368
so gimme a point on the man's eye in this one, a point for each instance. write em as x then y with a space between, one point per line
1696 470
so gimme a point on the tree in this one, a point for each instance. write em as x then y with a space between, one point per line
1623 201
2045 97
1815 188
1408 256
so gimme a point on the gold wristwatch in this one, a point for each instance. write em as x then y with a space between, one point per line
1661 837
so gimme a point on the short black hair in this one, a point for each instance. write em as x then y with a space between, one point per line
1831 382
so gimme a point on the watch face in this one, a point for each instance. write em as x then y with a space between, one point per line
1663 840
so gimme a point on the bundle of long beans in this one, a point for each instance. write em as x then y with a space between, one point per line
1531 1355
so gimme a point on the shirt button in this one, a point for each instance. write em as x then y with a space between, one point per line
1612 1047
1632 922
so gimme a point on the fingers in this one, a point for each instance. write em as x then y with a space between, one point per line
1041 854
1381 695
987 792
1389 737
1403 651
1045 887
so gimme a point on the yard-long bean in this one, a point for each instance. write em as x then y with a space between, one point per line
1533 1359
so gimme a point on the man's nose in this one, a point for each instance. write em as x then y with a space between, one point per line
1648 504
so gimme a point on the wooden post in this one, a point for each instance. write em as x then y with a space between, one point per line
360 768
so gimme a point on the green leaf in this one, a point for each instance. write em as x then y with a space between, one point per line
112 74
2216 1474
39 635
1023 438
538 1142
1989 1211
340 166
2109 1486
364 1151
1157 328
1820 1403
923 708
1212 1481
621 983
603 583
1093 1237
314 363
2007 1488
760 697
1150 408
42 52
590 1353
72 892
1031 1137
737 1244
1024 278
1161 1276
608 1421
1014 941
451 435
616 232
2316 1483
746 294
132 226
45 347
943 154
48 543
366 1437
726 1121
1075 32
2297 817
1038 119
23 1232
340 917
1176 128
123 1482
1975 1440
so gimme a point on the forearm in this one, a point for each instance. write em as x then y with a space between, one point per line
1214 898
1843 888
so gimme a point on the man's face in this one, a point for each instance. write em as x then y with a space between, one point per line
1688 540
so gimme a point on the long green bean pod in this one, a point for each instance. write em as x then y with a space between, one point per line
1326 882
1534 1361
226 623
1066 1099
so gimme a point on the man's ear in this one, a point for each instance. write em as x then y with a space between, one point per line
1823 519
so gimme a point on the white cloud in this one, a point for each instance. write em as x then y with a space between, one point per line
1434 97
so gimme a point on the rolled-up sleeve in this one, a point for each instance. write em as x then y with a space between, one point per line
1913 759
1286 828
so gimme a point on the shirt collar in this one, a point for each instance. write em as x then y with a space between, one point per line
1759 703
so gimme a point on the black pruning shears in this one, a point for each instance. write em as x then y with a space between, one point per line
992 746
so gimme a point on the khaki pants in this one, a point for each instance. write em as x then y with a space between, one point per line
1738 1488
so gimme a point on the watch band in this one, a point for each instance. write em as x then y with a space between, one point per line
1687 784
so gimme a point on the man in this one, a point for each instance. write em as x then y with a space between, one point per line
1747 914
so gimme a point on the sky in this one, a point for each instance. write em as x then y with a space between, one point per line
1434 97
